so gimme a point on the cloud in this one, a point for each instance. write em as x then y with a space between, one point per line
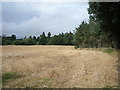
25 19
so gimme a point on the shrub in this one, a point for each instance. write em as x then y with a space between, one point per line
109 50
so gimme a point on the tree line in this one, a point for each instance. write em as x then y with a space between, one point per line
86 35
43 39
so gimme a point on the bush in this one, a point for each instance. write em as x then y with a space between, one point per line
109 50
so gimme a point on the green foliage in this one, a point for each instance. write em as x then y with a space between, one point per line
55 40
107 13
43 39
47 82
90 35
81 35
61 39
9 75
43 82
49 34
108 50
8 40
27 41
17 42
87 35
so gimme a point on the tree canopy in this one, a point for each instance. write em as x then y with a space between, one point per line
108 15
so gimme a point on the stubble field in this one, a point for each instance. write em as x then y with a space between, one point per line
58 67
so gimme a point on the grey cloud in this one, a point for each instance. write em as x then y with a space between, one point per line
17 12
24 19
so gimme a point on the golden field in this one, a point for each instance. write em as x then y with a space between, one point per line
58 67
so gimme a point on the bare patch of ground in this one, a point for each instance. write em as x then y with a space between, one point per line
59 67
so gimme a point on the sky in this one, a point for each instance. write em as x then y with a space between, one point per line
33 18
